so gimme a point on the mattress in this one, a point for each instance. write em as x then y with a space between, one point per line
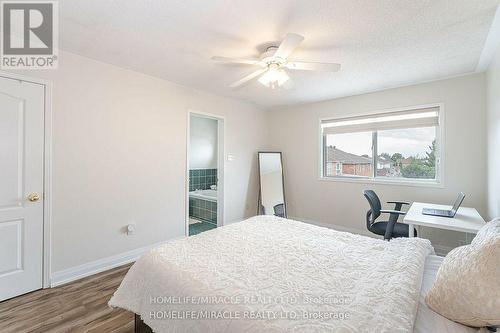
269 274
428 321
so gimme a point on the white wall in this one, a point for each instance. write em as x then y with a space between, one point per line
493 106
119 156
203 143
296 133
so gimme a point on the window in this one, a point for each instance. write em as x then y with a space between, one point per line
350 154
338 169
397 146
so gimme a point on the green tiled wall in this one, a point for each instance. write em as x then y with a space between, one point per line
202 179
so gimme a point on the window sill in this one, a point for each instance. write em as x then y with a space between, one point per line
361 180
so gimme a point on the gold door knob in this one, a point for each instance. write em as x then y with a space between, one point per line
33 197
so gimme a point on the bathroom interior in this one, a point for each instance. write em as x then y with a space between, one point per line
203 173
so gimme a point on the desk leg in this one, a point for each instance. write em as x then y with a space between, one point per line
411 232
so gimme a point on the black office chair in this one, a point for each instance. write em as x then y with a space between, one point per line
390 228
279 210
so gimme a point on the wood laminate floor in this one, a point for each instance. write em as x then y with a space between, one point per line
80 306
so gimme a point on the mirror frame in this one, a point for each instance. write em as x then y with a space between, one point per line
259 200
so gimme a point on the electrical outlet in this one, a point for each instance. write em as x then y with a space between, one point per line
130 229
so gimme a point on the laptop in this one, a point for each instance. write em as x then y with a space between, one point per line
444 212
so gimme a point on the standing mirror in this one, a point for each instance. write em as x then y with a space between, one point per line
272 189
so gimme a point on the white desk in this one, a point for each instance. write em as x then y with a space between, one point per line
466 220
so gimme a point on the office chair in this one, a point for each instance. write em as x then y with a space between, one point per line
279 210
390 228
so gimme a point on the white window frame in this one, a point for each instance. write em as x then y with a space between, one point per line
440 137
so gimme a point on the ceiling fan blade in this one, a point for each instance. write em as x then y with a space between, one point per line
247 78
236 60
313 66
289 44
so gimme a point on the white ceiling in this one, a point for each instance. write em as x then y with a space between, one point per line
380 43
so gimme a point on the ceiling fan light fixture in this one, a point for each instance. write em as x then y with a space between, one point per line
274 64
274 77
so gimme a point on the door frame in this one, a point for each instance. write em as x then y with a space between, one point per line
47 171
220 166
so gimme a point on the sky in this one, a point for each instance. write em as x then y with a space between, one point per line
408 142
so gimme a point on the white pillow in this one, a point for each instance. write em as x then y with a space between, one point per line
490 230
467 287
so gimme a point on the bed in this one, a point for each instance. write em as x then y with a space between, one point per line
269 274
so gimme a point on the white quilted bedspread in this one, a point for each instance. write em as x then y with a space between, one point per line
268 274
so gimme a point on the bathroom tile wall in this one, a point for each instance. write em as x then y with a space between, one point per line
202 179
203 210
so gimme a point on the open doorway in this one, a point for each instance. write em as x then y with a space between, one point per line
205 170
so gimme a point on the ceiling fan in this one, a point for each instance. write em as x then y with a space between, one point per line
274 63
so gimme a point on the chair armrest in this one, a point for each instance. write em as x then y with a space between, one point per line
399 202
390 211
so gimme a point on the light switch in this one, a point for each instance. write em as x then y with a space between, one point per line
230 157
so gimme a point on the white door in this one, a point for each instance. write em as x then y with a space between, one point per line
21 186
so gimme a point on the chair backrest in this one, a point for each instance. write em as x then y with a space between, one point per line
279 210
375 205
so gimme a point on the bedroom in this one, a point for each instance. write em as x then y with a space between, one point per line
99 174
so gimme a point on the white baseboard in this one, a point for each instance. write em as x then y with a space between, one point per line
101 265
